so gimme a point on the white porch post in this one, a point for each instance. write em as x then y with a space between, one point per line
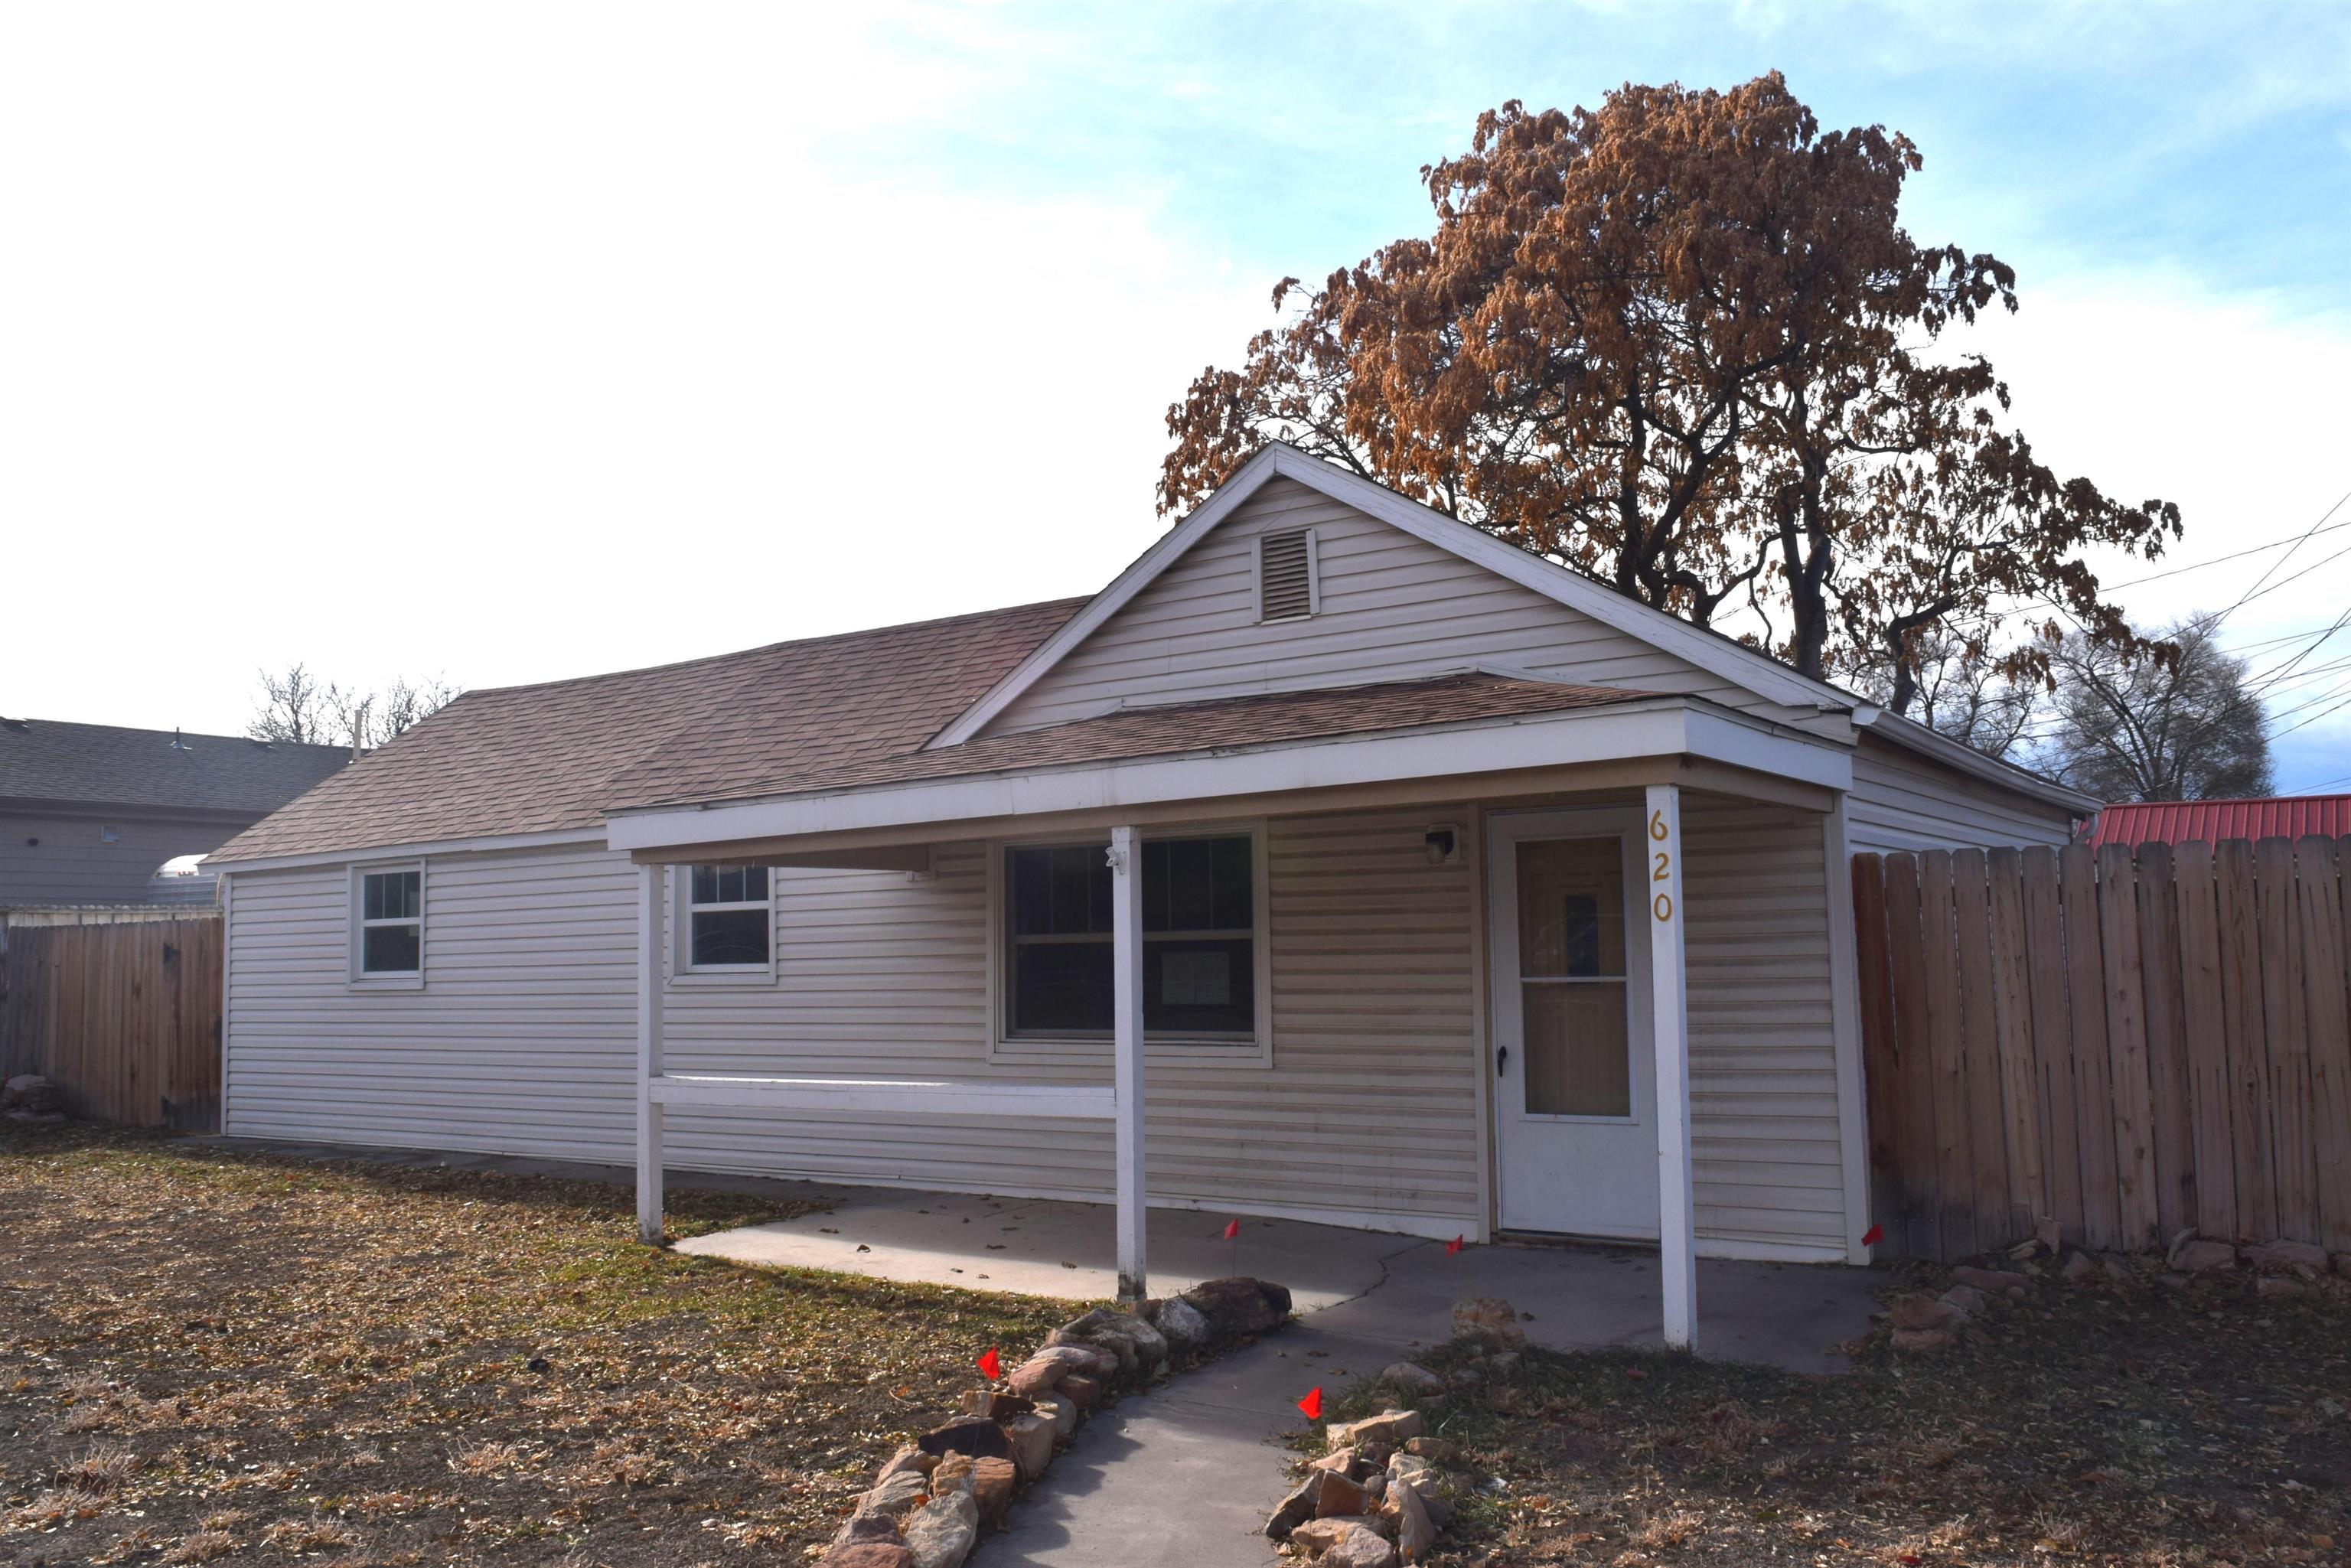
1669 1015
1126 1012
649 1052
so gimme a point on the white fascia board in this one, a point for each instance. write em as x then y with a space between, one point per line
557 838
1912 735
1671 726
1719 657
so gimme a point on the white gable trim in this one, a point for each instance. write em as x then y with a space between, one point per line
1717 655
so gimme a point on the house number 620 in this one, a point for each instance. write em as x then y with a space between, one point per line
1662 906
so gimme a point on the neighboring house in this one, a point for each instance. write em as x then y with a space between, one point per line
1337 861
91 813
2208 821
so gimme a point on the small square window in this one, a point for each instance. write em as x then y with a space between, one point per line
730 918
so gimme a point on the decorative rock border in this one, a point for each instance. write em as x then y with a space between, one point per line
1926 1324
927 1507
1378 1494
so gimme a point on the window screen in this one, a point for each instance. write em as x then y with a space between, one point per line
728 918
392 922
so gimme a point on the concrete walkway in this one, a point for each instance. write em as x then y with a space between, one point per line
1183 1478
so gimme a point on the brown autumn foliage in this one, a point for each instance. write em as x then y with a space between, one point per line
1683 343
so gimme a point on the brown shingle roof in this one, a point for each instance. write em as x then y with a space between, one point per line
1261 719
101 764
525 759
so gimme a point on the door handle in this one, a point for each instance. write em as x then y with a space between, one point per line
1501 1060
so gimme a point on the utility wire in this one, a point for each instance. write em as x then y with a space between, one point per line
2234 555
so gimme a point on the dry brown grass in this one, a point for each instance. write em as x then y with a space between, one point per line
213 1355
2194 1425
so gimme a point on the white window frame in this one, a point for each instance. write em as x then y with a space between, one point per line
356 924
1003 1046
682 969
1313 577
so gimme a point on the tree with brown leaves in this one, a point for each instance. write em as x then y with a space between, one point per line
1683 343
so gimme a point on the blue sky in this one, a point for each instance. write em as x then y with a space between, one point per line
514 340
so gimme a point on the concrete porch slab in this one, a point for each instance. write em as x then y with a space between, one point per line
1044 1247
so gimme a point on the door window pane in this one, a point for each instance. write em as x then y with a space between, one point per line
1573 1006
1578 1059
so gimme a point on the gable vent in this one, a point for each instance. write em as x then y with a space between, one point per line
1285 576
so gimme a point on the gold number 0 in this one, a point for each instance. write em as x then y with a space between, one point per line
1662 906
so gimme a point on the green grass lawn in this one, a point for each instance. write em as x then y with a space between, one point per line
211 1355
2143 1425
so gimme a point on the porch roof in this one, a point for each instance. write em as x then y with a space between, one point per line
767 763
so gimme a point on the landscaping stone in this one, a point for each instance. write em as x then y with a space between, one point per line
894 1496
956 1472
1436 1452
868 1554
1081 1390
1918 1311
1297 1507
1043 1372
1415 1532
1182 1324
866 1527
31 1091
1338 1495
2078 1269
1389 1426
995 1403
1342 1542
1064 1413
1999 1281
1238 1305
1922 1342
1411 1376
1031 1439
1966 1298
941 1532
2287 1256
908 1458
2281 1285
992 1483
973 1434
1344 1461
1490 1320
2197 1257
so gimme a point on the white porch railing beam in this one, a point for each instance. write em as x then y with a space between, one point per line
650 879
1126 1034
1670 1010
1075 1101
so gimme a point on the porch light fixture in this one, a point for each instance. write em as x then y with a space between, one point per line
1443 842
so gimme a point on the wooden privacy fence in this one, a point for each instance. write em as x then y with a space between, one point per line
2133 1047
125 1017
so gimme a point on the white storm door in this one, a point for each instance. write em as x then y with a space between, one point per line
1575 1078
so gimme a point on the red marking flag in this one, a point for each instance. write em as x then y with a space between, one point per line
1452 1247
1232 1229
1313 1405
991 1365
1872 1236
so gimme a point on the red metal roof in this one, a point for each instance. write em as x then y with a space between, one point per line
2185 821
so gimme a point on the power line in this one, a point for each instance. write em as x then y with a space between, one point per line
2234 555
2314 718
2257 589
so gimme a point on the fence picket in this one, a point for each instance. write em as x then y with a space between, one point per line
1918 1154
2020 1099
2325 970
2206 1038
2286 1019
2170 1135
2051 1049
2093 1095
1881 1066
1947 1047
118 1016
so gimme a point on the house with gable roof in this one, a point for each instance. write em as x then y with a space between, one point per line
1337 861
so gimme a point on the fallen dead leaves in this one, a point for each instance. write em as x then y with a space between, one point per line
213 1356
2177 1426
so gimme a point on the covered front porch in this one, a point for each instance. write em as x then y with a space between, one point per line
1382 1080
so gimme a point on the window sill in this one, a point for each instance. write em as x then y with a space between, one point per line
1155 1053
385 983
721 979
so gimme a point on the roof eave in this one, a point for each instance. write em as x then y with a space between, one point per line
1912 735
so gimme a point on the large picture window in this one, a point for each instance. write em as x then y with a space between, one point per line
1199 939
729 920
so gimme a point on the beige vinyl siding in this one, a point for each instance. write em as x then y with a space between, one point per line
1393 607
1901 800
1765 1154
522 1039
